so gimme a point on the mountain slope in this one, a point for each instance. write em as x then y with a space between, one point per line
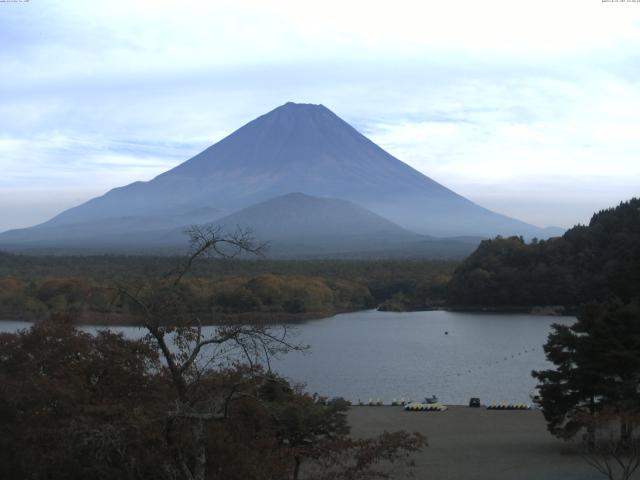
301 216
301 225
104 231
590 263
295 225
300 148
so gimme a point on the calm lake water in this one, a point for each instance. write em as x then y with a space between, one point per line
386 355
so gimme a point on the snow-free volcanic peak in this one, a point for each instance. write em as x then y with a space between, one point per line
296 147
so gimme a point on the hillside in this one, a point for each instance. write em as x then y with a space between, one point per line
297 216
587 263
299 225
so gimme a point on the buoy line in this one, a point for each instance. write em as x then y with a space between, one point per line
490 364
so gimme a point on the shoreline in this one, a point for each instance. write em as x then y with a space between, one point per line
275 318
544 310
266 318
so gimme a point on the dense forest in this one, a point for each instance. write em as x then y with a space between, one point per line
35 287
588 263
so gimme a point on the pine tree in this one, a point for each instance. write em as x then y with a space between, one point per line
597 367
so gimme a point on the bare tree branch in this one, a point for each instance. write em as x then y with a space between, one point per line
206 238
168 319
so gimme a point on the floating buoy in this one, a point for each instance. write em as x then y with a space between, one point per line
425 407
510 406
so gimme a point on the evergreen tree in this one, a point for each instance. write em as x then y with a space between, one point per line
597 368
588 263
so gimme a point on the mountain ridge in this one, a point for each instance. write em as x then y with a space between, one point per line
293 225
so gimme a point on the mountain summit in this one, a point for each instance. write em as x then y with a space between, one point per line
294 148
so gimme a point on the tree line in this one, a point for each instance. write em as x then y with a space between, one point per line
34 288
270 296
588 263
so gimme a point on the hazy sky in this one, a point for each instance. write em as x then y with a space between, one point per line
530 108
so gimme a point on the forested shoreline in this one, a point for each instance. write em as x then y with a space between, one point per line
588 263
34 288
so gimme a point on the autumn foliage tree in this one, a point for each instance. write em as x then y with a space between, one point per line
73 405
183 402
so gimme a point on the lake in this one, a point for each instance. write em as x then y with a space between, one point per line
386 355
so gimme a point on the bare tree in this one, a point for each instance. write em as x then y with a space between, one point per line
610 444
190 351
197 361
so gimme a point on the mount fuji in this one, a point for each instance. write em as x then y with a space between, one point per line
294 148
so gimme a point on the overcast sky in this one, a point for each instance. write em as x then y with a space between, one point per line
530 108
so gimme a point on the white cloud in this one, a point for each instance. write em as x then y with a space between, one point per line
481 96
543 139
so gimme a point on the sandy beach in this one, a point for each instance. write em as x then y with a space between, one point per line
478 444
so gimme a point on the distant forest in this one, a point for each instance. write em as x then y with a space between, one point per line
36 287
588 263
